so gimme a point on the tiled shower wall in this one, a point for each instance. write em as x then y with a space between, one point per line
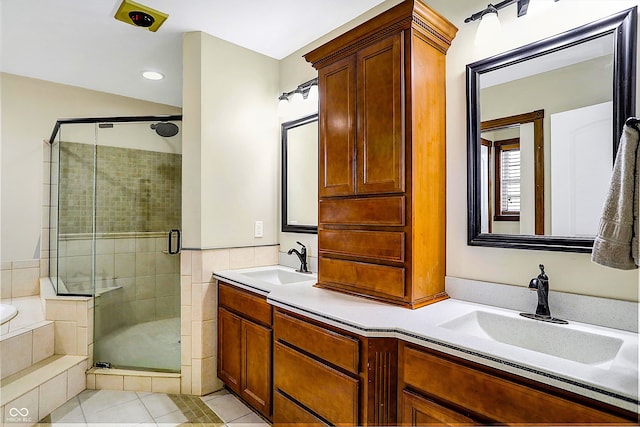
137 195
136 190
136 281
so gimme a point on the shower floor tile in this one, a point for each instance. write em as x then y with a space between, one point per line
154 409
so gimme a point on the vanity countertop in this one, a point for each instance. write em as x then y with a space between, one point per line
433 326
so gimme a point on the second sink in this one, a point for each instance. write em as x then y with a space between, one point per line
277 276
560 341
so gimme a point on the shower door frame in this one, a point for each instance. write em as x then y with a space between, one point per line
95 121
53 219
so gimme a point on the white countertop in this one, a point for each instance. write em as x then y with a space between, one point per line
614 382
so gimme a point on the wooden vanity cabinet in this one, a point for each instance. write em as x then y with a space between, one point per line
245 345
438 389
381 226
327 376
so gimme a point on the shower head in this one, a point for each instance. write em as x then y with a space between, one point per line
165 129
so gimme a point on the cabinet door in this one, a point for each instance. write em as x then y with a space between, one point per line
380 141
337 85
418 411
256 365
287 413
229 349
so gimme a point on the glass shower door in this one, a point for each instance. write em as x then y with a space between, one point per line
137 247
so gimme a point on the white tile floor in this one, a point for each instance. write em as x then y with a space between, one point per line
153 409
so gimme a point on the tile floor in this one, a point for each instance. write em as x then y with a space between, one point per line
150 409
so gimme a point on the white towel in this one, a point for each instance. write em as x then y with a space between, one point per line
616 244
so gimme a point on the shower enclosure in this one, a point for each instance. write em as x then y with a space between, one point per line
115 233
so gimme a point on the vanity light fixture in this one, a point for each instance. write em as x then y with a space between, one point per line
523 6
301 92
489 22
489 27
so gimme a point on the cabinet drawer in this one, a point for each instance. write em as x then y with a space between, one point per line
379 279
369 211
370 244
249 305
332 394
490 396
287 413
418 411
337 349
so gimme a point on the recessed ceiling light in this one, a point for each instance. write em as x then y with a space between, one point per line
152 75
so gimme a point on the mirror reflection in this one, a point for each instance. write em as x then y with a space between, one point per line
573 87
300 175
543 126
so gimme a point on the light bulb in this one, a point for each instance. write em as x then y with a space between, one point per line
297 97
313 93
489 27
283 104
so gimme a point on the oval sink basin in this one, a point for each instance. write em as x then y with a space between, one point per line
278 276
555 340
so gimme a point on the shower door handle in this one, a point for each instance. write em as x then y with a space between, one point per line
171 250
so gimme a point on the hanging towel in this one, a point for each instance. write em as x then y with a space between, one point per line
616 244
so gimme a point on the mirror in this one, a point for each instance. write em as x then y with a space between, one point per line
543 126
300 175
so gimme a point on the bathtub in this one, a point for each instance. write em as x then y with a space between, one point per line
7 312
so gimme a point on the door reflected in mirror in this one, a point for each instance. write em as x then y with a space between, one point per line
300 175
541 184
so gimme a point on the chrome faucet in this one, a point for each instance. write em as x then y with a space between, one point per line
541 285
302 256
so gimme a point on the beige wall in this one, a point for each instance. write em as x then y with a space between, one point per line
230 144
30 109
569 272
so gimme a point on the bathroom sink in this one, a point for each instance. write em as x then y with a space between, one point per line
278 276
556 340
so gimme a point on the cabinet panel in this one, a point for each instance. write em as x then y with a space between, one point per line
256 354
418 411
384 245
337 90
249 305
229 349
331 394
287 413
380 137
379 279
493 397
382 211
337 349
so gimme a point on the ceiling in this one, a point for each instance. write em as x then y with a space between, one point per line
78 42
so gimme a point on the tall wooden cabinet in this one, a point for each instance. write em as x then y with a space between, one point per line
381 231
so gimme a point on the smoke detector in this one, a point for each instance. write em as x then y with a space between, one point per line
140 16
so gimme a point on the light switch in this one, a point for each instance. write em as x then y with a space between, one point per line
258 229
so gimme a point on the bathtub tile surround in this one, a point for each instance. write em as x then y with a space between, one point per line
29 311
73 324
20 278
198 309
25 347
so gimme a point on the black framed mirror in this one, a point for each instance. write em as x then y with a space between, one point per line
605 52
300 175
